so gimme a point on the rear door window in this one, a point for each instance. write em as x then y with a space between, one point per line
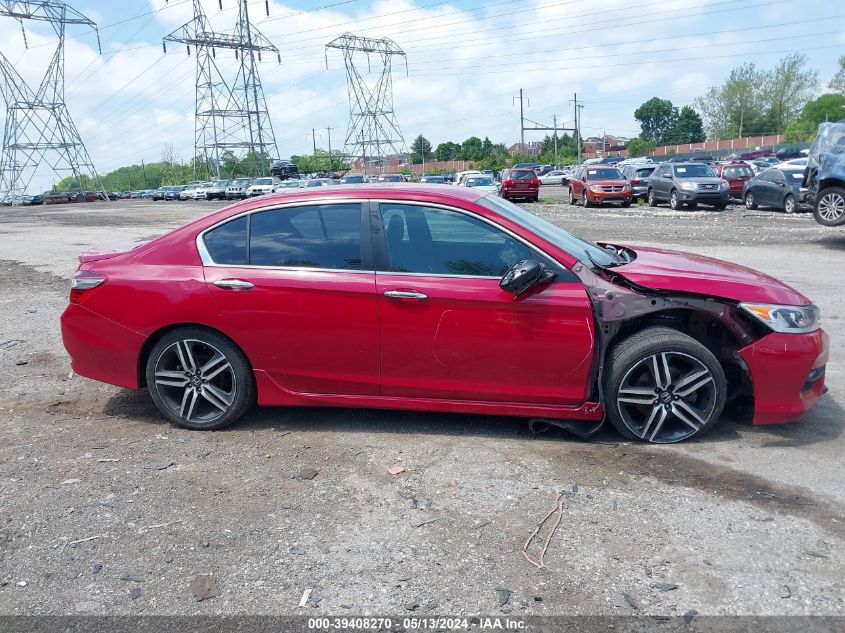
227 243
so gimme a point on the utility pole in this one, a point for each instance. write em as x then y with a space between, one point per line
557 162
521 120
578 107
314 141
329 133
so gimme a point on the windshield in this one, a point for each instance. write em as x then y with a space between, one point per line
645 172
242 181
433 179
604 173
736 172
694 171
479 182
522 175
263 181
353 179
221 183
575 246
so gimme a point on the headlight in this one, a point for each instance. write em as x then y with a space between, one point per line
724 184
627 187
688 186
596 188
786 319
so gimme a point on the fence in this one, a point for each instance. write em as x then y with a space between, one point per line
745 143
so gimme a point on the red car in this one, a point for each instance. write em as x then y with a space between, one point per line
597 184
437 299
737 174
520 184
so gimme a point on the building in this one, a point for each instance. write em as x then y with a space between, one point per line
607 143
534 148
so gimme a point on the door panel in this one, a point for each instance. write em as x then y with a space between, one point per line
300 296
448 331
469 340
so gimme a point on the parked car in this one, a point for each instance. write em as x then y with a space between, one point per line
284 169
477 307
353 179
795 162
319 182
597 184
24 200
217 190
775 188
159 193
687 184
519 183
189 192
55 197
287 185
637 174
482 183
433 180
391 178
237 188
788 152
825 174
201 191
262 186
737 174
173 192
554 177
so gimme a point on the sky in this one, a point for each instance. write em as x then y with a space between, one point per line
466 62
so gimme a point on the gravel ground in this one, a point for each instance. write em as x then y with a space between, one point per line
106 509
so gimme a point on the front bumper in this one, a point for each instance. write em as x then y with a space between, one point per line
787 374
705 197
609 196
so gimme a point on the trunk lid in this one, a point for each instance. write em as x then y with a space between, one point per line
107 252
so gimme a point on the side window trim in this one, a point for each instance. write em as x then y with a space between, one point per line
381 261
367 259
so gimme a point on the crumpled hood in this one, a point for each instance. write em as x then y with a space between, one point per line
697 274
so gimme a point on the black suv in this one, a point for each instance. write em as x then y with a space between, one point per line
688 184
284 169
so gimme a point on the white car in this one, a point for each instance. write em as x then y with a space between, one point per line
287 185
260 186
463 175
319 182
791 164
481 183
188 192
555 177
200 192
237 188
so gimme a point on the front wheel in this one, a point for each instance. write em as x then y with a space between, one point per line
789 204
829 209
662 386
750 203
586 200
674 201
199 379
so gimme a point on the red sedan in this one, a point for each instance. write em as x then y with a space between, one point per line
437 299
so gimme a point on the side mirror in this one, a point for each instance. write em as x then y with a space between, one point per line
524 274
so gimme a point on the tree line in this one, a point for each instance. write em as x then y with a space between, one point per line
752 101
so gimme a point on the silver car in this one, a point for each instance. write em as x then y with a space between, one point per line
237 188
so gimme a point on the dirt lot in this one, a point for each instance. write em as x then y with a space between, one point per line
106 509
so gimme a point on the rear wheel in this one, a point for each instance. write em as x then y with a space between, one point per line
652 199
721 206
674 201
569 198
662 386
789 204
829 209
199 379
750 204
627 204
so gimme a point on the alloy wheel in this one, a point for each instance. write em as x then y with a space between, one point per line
667 397
789 205
831 207
749 201
195 381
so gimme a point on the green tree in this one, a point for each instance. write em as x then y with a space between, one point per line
657 119
472 149
447 151
736 107
689 128
838 81
828 107
788 87
420 149
639 147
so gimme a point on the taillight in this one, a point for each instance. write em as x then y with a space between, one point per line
509 182
84 282
535 182
635 182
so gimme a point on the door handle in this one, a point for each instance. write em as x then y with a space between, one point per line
234 284
405 294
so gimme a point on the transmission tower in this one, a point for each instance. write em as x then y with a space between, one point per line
231 112
39 130
373 131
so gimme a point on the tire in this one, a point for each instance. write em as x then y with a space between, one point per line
644 403
749 201
190 388
789 204
585 201
625 205
674 201
651 198
570 199
535 198
721 206
829 209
